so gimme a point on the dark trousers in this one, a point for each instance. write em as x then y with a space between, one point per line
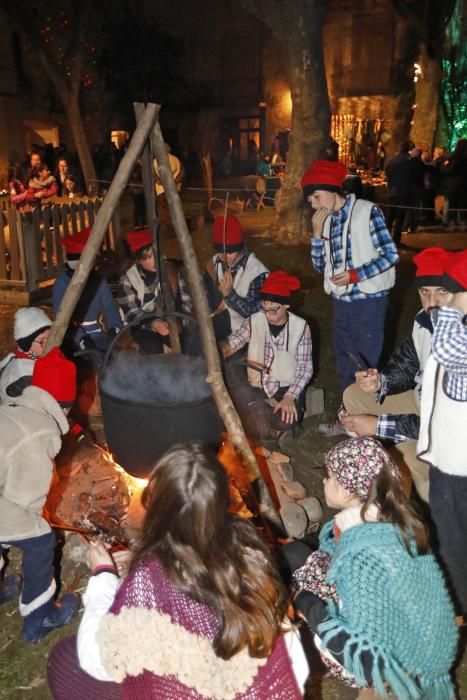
448 504
357 327
396 216
37 569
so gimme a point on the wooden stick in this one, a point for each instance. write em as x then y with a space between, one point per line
148 184
91 249
221 396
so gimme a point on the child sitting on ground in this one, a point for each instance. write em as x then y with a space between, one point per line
30 330
372 593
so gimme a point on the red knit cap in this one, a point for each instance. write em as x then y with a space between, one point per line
56 375
233 234
326 175
455 277
278 287
431 265
138 240
75 243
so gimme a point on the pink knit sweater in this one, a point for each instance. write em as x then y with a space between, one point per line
149 588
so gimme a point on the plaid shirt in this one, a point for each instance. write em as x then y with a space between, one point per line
304 366
382 241
386 429
244 306
450 350
131 305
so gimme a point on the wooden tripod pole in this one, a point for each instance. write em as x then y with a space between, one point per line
104 215
147 170
221 396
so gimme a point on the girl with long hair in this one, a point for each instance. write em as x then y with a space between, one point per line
200 613
373 593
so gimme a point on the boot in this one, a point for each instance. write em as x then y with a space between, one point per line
10 588
63 610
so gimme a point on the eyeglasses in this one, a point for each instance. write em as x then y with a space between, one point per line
270 310
41 342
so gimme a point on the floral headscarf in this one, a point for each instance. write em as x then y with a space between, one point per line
356 463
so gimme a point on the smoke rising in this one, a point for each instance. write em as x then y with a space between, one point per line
156 379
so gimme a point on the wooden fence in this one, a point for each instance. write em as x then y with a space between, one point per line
30 250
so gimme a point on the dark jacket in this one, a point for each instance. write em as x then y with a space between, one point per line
399 374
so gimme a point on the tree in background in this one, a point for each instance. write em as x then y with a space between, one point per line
454 80
58 35
297 26
426 24
138 61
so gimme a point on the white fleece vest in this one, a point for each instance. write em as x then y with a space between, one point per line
357 228
422 340
241 284
13 368
284 364
443 424
138 285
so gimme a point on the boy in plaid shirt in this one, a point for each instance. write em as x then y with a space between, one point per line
280 365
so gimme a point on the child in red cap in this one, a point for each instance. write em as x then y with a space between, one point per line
31 430
141 292
280 364
443 428
386 404
354 249
96 302
233 278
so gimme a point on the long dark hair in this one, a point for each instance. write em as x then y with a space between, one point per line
395 507
211 555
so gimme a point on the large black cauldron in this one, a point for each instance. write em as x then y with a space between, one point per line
138 433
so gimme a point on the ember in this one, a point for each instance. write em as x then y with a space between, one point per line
92 495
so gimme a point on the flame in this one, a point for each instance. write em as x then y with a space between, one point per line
134 483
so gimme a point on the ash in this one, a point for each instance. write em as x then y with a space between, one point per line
161 379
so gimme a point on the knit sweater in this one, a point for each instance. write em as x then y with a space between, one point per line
395 605
157 642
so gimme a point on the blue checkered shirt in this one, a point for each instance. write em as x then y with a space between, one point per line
382 241
450 350
244 306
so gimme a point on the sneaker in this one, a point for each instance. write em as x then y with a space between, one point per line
333 428
64 610
10 588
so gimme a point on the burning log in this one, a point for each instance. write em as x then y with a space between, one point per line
91 496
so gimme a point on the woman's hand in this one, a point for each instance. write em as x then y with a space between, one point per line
98 556
122 558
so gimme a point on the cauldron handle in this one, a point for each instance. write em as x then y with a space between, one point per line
136 321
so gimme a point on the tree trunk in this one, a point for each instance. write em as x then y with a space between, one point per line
297 25
426 97
73 113
310 117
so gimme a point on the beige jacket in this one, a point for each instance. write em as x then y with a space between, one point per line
30 437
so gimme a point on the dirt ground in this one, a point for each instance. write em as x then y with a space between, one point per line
22 667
